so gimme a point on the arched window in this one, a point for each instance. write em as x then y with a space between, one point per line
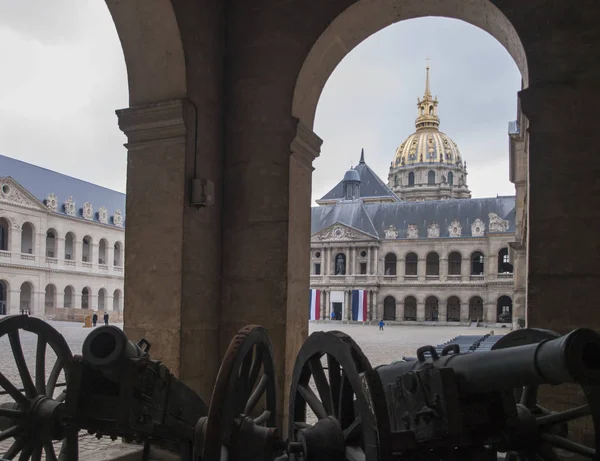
432 264
101 299
476 309
102 251
3 297
86 249
390 264
396 180
431 177
454 263
27 236
51 248
389 308
340 264
451 178
69 294
117 301
453 309
26 297
430 110
477 263
50 296
410 308
504 265
118 257
431 309
410 264
504 309
411 179
4 230
85 298
70 246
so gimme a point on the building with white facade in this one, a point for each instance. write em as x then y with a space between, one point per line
61 244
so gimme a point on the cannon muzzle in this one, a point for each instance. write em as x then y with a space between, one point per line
106 345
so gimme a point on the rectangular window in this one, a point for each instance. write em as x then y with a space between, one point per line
363 268
317 268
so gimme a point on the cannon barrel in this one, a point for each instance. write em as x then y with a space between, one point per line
574 357
106 345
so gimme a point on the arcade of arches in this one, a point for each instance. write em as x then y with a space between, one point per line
244 121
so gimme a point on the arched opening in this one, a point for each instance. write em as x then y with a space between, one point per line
117 259
411 179
117 301
431 178
51 243
85 298
430 110
431 309
476 309
477 265
50 296
4 234
68 297
70 246
27 238
340 264
26 297
504 309
102 248
453 309
451 178
86 249
454 263
101 299
389 308
3 297
504 265
390 264
410 308
432 264
411 262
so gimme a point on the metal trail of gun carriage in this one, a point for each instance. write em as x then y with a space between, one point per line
445 406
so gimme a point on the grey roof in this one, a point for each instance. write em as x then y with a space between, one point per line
374 218
40 182
370 185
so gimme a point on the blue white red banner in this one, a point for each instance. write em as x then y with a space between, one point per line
315 305
359 305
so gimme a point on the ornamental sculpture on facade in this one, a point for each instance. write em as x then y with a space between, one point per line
497 224
69 207
433 231
455 229
103 215
478 228
87 211
412 232
118 218
391 233
51 202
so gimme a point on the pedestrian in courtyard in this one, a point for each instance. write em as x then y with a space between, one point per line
381 324
332 315
94 319
106 318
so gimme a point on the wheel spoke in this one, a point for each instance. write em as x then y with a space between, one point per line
546 452
10 432
40 366
61 397
70 447
346 413
14 449
14 392
313 401
352 431
255 368
26 452
568 445
564 416
37 453
355 453
17 350
529 396
256 394
301 425
264 416
335 378
321 383
53 378
49 450
10 413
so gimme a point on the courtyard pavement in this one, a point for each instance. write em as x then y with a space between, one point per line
380 347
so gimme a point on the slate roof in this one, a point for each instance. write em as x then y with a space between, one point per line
370 185
374 218
40 182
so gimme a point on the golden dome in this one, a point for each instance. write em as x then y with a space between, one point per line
427 146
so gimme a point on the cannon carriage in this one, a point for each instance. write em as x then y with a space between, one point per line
447 405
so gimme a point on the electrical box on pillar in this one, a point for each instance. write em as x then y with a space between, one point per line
203 193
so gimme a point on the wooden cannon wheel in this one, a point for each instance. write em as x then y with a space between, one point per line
350 420
31 410
541 432
241 421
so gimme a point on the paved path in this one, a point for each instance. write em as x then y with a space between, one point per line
379 346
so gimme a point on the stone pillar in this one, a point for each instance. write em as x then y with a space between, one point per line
465 268
420 310
322 305
375 261
443 269
94 255
354 271
375 306
400 268
399 310
110 256
491 266
60 249
325 269
421 269
464 311
442 310
369 260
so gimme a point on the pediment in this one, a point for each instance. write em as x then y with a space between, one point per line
340 233
13 193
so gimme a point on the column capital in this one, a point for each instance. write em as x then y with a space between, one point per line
306 145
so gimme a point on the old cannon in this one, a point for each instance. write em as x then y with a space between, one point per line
473 405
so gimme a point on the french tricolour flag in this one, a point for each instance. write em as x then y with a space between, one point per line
359 305
315 305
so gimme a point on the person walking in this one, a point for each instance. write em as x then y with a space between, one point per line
106 318
381 324
94 319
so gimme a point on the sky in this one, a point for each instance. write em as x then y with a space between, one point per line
63 76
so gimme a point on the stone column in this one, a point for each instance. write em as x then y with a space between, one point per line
399 310
400 268
110 256
354 271
369 260
421 269
465 268
375 261
375 306
443 269
94 255
491 266
325 257
322 305
464 311
420 310
60 249
442 310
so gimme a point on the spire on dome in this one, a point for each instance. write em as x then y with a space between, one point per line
362 156
427 117
427 90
